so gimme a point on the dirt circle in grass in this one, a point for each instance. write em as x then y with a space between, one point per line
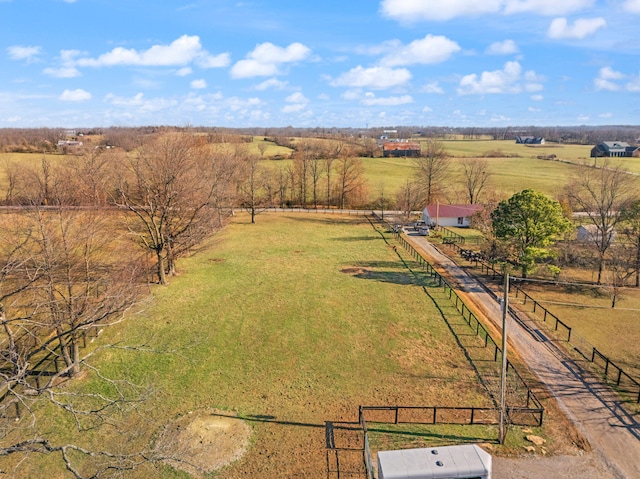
204 441
354 270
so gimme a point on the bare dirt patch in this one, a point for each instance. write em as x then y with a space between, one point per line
355 270
204 441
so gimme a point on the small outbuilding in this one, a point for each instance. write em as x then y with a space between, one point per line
450 215
466 461
401 149
591 234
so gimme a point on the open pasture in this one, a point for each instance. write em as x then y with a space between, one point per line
490 148
289 323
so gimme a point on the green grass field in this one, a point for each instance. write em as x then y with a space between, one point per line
297 319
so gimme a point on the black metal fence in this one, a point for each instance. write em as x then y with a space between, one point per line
529 413
610 372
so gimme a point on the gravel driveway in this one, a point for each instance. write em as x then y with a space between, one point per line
592 407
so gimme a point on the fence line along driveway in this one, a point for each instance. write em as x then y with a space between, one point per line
592 406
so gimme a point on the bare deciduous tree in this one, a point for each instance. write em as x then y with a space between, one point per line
601 194
410 198
433 166
61 276
475 177
252 186
176 183
350 173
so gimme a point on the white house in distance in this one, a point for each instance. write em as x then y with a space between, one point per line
591 234
450 215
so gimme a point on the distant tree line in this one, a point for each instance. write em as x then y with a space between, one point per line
45 139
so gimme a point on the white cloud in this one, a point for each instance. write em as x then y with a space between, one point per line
18 52
266 59
199 84
68 69
75 95
63 72
606 115
140 103
296 97
415 10
433 87
375 77
632 6
427 109
272 83
634 84
297 102
371 100
507 47
428 50
609 73
506 80
606 79
534 110
183 51
411 11
185 71
293 108
537 97
546 7
582 27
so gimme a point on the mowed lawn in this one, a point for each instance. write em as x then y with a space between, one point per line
289 323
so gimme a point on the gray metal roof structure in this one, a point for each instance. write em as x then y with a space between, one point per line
467 461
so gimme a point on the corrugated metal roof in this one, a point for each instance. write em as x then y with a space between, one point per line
435 463
397 145
453 211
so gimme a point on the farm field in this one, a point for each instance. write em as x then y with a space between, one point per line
388 175
289 323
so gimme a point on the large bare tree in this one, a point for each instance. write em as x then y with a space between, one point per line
61 277
173 188
433 166
601 194
475 177
350 172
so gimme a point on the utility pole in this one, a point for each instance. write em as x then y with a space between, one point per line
503 376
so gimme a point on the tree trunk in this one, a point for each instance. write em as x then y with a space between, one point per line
600 268
162 277
65 349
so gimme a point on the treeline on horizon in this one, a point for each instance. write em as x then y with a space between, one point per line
46 139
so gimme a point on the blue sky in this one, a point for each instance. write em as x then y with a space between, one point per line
356 63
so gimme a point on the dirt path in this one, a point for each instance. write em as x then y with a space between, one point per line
592 407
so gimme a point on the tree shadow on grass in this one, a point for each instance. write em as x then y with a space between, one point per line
390 277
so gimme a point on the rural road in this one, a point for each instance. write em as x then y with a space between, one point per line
591 406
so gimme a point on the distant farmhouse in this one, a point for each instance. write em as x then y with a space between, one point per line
529 140
613 149
400 149
450 215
